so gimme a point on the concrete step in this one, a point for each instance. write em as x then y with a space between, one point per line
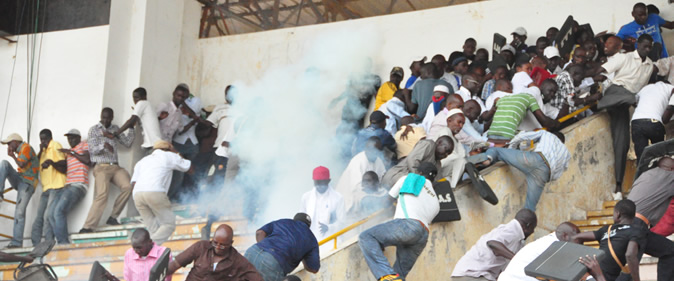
600 214
609 204
593 222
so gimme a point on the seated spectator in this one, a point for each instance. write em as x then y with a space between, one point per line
368 160
440 95
422 93
282 245
77 183
491 253
470 86
52 178
324 204
515 269
424 151
459 67
554 60
490 86
521 80
453 166
394 109
150 182
415 72
216 260
103 153
23 180
143 114
408 136
376 129
142 256
540 155
408 231
471 133
439 121
372 196
625 239
386 91
655 106
510 111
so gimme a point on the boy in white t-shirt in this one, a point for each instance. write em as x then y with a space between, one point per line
144 114
408 231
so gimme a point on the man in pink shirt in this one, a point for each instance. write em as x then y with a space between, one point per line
139 260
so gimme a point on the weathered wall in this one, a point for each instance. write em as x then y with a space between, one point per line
582 187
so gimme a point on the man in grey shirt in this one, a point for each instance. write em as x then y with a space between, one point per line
422 93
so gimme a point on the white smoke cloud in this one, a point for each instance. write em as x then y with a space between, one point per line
288 125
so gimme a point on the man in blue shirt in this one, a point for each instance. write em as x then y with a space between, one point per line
645 23
376 129
281 245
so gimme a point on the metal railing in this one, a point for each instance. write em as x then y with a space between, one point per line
6 216
335 235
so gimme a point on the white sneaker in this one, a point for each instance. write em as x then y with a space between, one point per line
618 196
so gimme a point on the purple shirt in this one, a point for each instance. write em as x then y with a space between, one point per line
138 268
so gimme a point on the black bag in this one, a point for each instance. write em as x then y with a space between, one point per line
480 184
160 268
37 272
560 262
449 210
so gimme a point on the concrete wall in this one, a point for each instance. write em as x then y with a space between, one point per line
584 186
245 58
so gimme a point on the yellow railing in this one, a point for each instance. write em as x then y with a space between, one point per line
350 227
334 236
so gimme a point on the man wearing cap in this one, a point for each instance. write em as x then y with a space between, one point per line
551 53
387 90
439 102
23 180
394 109
145 115
150 182
509 54
324 204
77 182
52 178
282 245
415 71
459 67
376 129
408 231
185 140
519 40
103 153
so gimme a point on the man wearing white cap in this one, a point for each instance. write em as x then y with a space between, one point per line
23 180
77 182
519 39
438 103
554 59
509 53
150 181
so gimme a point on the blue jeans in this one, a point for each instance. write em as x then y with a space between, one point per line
70 195
265 264
409 237
531 164
41 224
24 192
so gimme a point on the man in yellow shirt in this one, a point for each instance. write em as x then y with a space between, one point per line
389 88
52 177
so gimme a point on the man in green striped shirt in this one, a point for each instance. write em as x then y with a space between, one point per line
509 113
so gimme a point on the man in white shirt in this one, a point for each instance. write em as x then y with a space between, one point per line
367 160
515 269
654 109
150 182
470 87
170 114
408 231
503 88
489 256
632 72
324 205
143 114
185 140
394 109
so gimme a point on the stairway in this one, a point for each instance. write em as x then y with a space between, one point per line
109 244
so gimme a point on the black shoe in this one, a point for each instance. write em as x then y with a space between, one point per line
10 246
86 230
112 221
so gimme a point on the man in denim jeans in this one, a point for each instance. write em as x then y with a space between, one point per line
23 180
52 178
77 181
408 231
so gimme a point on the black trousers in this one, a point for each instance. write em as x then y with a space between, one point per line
656 246
644 130
617 101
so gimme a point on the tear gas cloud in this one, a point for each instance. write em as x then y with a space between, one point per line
286 125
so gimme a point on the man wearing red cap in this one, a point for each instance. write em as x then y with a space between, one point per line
323 204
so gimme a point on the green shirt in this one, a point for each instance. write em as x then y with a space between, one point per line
509 113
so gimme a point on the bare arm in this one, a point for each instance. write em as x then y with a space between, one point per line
545 121
631 256
133 120
563 112
260 235
668 25
499 249
668 114
584 237
61 166
5 257
173 266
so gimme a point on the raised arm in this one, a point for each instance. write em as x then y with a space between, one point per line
133 120
545 121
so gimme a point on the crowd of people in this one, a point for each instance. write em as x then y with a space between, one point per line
453 113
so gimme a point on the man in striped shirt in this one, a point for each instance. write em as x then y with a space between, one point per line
510 110
540 155
77 182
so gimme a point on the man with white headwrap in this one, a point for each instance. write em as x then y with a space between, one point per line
450 123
